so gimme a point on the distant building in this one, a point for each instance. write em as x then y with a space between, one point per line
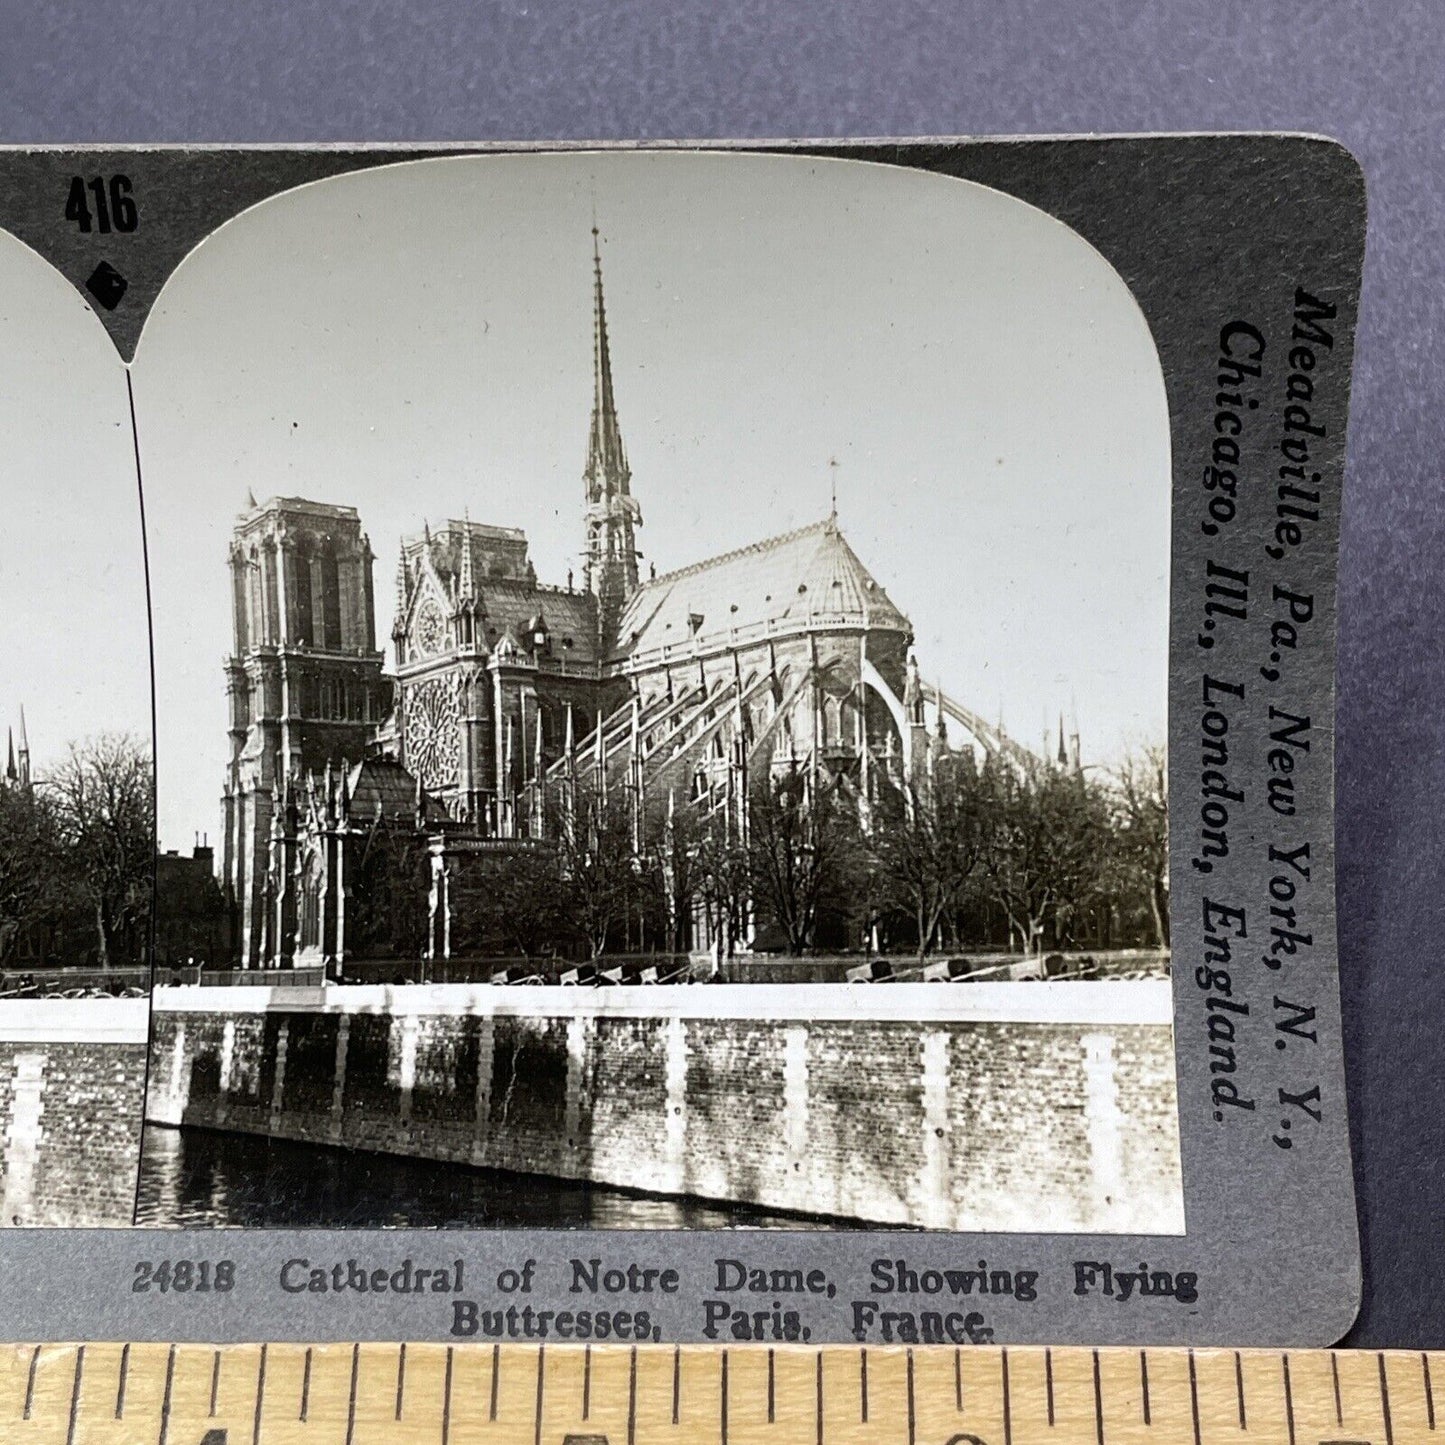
194 921
686 685
17 762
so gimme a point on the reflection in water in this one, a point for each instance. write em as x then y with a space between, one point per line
194 1178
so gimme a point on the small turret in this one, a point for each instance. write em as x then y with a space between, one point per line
467 592
398 622
23 755
913 694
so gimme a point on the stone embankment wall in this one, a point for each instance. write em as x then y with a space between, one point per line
72 1094
980 1106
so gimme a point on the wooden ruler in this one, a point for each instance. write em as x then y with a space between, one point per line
426 1394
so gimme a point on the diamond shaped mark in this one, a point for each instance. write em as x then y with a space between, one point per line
107 285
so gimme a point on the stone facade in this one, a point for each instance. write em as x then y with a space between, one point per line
729 1094
72 1097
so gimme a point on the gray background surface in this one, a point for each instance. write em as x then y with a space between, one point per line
1372 74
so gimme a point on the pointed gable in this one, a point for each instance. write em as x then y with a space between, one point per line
807 578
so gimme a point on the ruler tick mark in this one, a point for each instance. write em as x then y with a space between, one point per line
1049 1382
447 1401
1239 1389
541 1375
587 1385
1194 1396
1385 1402
125 1370
912 1411
676 1380
1098 1402
632 1396
1429 1393
166 1398
1008 1432
723 1399
818 1396
30 1382
305 1387
1339 1404
1288 1398
771 1395
260 1392
351 1404
75 1394
958 1380
496 1371
215 1380
1144 1383
863 1384
400 1380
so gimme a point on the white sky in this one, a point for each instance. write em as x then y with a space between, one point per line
416 340
73 646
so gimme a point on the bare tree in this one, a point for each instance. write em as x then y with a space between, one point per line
674 874
724 883
598 864
32 875
926 840
1141 785
516 895
1046 847
103 793
803 849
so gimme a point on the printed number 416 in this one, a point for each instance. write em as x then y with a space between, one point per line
102 206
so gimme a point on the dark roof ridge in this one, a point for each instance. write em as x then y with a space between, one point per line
752 548
518 584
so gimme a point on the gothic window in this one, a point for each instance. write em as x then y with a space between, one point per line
305 629
240 603
431 732
430 628
330 598
269 559
255 611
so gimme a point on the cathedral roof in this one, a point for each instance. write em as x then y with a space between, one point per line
381 781
809 577
570 617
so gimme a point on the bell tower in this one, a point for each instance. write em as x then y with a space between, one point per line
304 678
612 513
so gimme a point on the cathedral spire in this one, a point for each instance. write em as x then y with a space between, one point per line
612 514
468 589
606 456
24 756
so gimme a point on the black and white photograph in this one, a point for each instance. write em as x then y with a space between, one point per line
661 670
76 814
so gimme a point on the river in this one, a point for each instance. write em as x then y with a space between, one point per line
193 1178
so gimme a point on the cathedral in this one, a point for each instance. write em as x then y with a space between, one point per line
17 763
682 685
